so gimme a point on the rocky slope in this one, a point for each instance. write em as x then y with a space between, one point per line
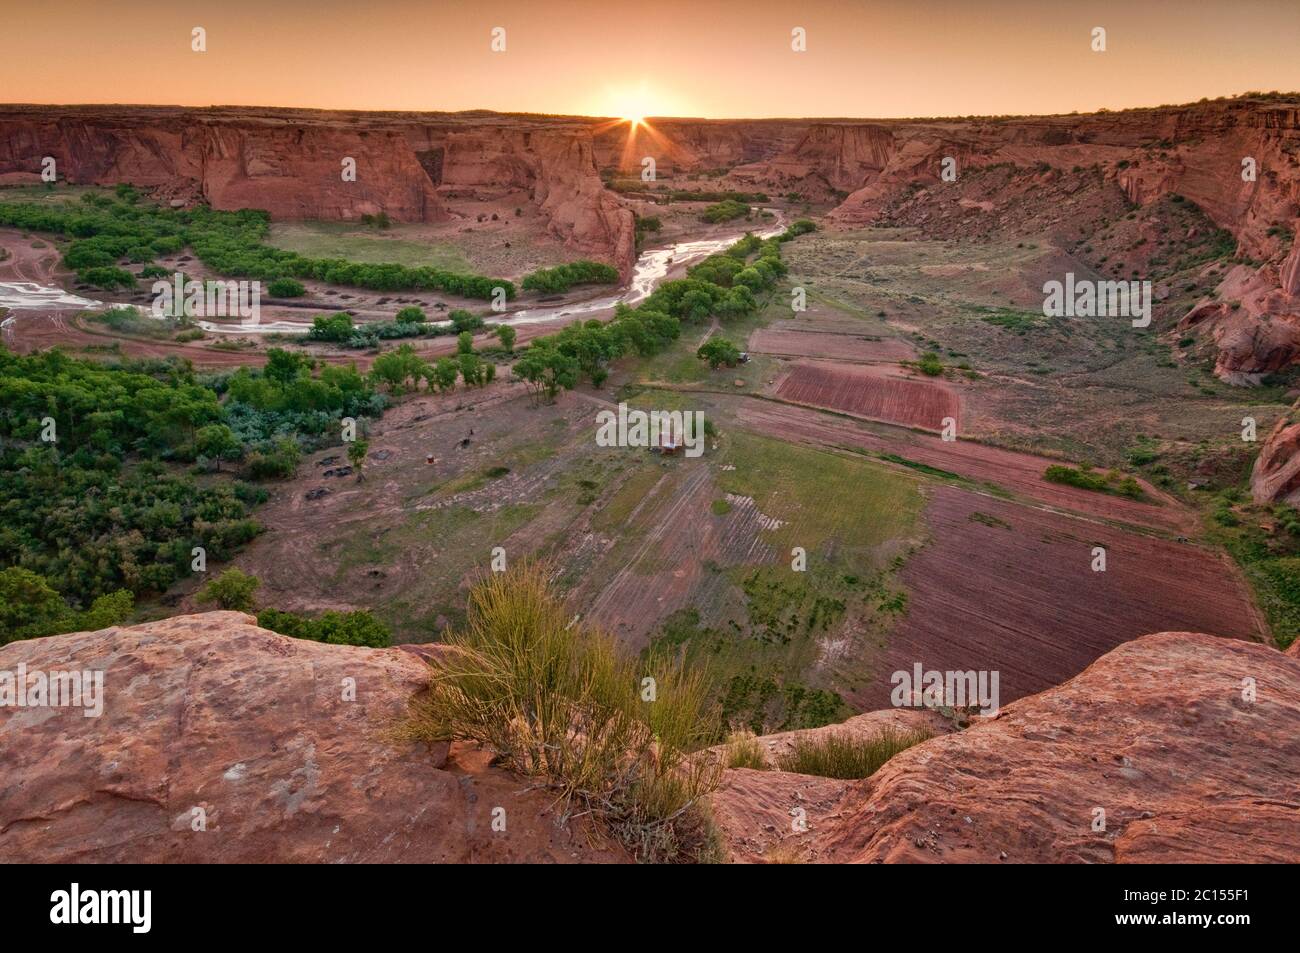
208 717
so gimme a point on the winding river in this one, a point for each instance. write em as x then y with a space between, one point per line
651 268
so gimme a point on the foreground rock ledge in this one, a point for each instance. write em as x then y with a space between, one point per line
1156 733
209 711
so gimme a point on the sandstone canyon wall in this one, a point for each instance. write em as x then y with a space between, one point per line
287 161
1196 151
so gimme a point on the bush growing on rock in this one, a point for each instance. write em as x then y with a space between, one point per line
562 704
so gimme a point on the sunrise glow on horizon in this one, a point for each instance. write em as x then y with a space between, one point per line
723 60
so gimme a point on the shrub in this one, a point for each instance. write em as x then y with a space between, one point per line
561 703
275 461
107 278
233 589
801 227
564 277
1086 478
336 628
839 754
286 288
744 750
462 321
930 364
718 351
725 211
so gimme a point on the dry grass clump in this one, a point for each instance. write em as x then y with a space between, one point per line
562 703
846 756
744 750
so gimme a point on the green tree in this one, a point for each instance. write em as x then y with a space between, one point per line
472 370
546 371
718 351
217 442
465 343
357 451
233 589
27 604
443 374
462 320
506 335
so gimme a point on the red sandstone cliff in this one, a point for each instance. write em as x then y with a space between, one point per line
223 742
1276 474
290 162
1196 151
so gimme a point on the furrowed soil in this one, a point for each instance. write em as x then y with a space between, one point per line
1013 589
873 392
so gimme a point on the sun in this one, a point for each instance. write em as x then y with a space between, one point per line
633 103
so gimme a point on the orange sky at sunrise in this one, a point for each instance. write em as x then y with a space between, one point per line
722 60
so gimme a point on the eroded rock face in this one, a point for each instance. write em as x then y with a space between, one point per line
289 162
1156 734
1276 474
292 170
211 712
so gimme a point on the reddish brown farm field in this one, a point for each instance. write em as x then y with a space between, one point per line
1019 473
790 342
878 393
1007 587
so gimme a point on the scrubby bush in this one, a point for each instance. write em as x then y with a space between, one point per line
800 227
725 211
335 628
561 703
233 589
564 277
1088 479
286 288
718 351
744 750
838 754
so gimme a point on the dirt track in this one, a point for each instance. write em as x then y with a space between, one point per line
837 345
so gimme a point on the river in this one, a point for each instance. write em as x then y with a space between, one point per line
651 268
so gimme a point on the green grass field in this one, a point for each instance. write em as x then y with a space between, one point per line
347 240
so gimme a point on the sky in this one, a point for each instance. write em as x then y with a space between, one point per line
706 58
